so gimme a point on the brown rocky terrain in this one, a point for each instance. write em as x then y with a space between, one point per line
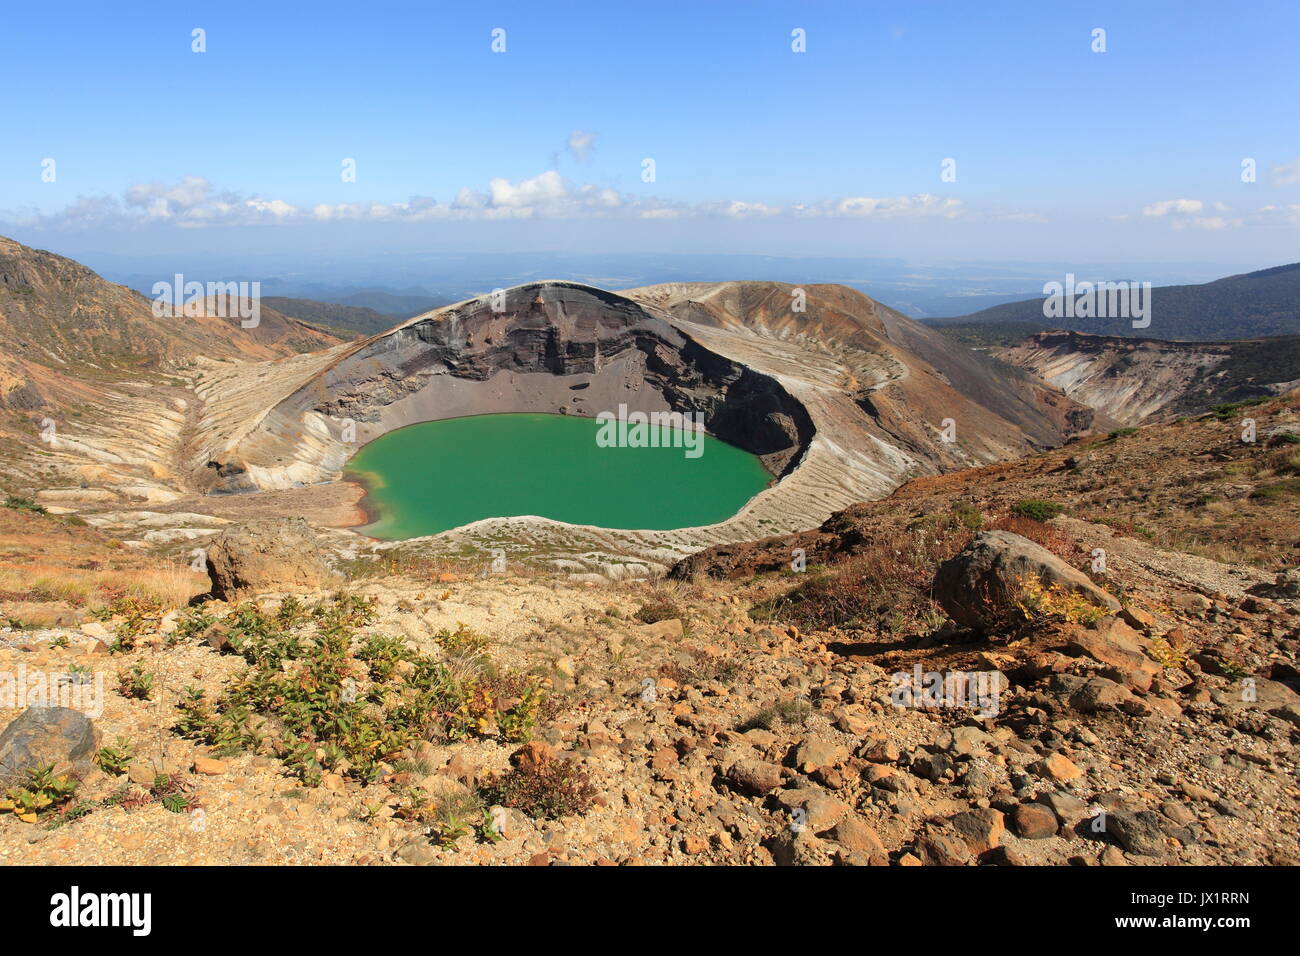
1026 645
744 711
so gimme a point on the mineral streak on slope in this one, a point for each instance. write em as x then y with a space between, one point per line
95 404
1145 380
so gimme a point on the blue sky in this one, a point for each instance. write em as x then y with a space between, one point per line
1059 151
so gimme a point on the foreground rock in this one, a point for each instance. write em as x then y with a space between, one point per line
47 736
977 586
266 555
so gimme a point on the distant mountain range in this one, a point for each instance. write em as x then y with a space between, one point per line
1249 306
362 313
917 289
347 320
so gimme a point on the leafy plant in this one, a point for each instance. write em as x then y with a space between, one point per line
192 623
1171 654
1035 602
138 614
325 708
461 641
135 683
116 759
43 792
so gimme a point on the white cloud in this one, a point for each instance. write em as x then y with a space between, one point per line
1173 207
581 144
1185 214
194 203
1289 214
861 207
1288 174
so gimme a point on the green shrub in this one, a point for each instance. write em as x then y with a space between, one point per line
135 683
115 760
550 789
24 504
1230 410
968 516
44 792
1279 489
324 707
792 712
1037 509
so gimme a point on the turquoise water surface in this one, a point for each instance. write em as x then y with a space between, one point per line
433 476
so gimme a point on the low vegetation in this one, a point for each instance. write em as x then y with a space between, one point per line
549 789
1037 509
325 700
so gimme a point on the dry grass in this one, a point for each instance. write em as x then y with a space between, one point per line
170 585
886 586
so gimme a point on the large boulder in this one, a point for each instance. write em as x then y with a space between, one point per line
977 586
43 736
273 554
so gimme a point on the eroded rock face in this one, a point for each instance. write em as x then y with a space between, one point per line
47 736
976 585
267 555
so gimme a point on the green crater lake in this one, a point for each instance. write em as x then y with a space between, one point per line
433 476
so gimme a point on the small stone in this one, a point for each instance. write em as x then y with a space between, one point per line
532 755
694 845
754 776
209 767
1138 832
932 766
1056 767
1033 821
981 829
943 849
43 736
1113 856
665 630
417 853
854 833
814 753
820 811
